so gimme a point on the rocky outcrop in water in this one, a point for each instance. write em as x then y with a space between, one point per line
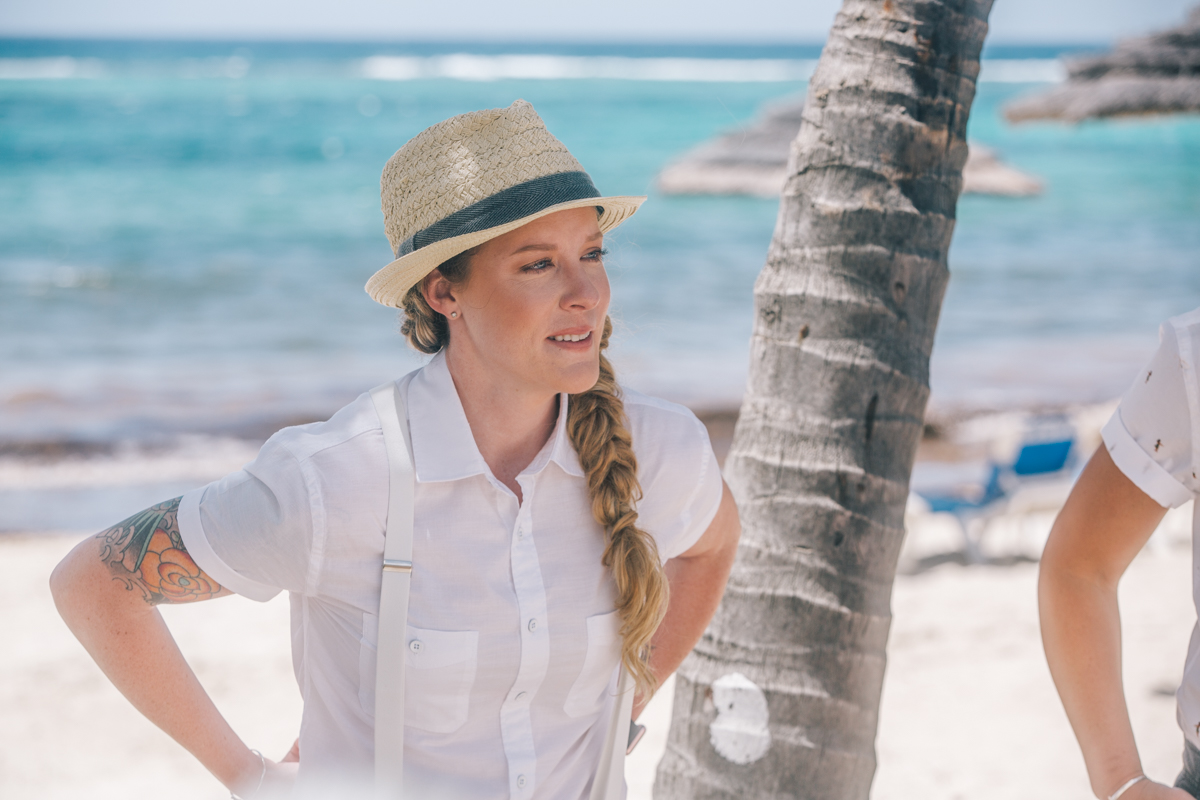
1156 74
753 161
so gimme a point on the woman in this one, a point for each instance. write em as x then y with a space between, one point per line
1149 463
553 515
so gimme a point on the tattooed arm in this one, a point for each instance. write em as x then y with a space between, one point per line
106 590
146 555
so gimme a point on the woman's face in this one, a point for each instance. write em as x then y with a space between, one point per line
531 311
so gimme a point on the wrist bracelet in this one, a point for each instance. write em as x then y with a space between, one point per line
263 774
1125 787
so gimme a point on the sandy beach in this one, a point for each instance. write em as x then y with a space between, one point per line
968 707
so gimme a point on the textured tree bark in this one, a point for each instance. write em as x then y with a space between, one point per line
846 308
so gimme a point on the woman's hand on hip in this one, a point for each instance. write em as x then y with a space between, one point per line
267 779
279 778
1153 790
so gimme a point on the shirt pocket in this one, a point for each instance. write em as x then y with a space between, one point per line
438 677
603 655
439 673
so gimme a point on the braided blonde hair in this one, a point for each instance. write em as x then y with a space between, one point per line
597 426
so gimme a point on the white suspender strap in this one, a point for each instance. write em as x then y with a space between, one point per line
393 599
609 783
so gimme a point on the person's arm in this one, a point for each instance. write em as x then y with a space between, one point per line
106 590
1105 522
697 578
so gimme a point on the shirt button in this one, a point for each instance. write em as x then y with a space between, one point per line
519 696
415 645
532 625
520 781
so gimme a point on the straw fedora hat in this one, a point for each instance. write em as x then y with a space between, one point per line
472 178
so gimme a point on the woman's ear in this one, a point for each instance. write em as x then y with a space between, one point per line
439 294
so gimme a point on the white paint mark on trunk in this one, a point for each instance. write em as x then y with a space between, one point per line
739 733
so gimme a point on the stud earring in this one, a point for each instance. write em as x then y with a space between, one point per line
453 315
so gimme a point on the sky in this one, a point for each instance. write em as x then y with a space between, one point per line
1012 21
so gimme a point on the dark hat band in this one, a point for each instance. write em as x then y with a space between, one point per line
504 207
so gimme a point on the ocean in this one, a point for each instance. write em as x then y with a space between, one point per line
187 228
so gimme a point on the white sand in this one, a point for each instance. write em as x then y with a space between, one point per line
68 734
968 708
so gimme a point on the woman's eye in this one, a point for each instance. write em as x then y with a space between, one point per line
538 266
597 255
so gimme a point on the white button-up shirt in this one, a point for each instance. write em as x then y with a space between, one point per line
1154 439
513 637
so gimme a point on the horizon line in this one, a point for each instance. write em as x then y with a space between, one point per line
591 42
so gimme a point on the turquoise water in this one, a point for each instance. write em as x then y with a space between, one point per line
187 227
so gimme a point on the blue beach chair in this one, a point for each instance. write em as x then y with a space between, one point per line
1034 460
1043 458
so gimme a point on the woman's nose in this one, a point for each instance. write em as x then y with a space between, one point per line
584 288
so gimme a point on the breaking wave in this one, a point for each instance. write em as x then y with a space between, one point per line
477 67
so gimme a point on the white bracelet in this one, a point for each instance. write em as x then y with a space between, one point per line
263 774
1125 787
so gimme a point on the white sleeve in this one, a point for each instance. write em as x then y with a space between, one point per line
681 481
1151 435
251 531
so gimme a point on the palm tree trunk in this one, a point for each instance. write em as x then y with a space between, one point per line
846 308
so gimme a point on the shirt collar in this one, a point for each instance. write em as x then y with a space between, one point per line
444 448
561 451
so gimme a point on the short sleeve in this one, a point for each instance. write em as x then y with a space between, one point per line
251 531
680 477
1151 435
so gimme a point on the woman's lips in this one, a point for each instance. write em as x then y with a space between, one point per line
572 337
572 340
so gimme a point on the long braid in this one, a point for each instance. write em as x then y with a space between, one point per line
597 427
596 424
